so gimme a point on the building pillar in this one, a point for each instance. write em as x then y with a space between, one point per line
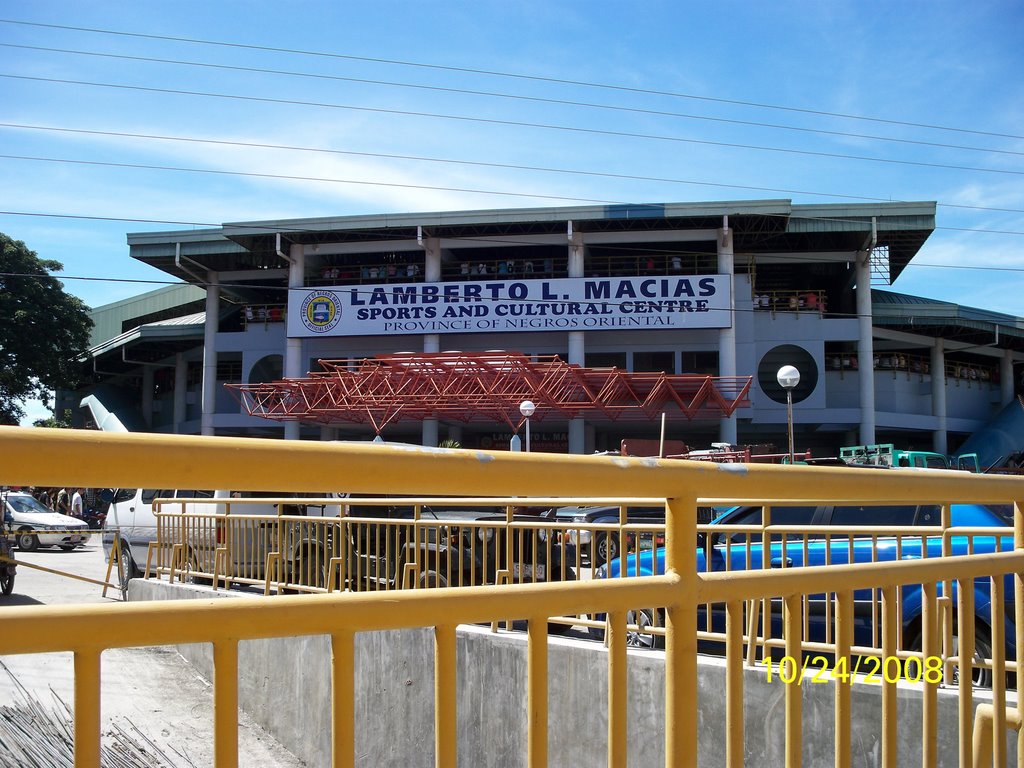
147 395
209 399
727 431
938 363
1007 384
431 341
455 433
293 363
865 349
577 339
180 390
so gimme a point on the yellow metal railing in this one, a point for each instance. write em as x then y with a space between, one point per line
37 457
455 541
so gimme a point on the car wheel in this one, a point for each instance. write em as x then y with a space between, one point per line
26 540
982 650
309 569
128 569
643 618
606 547
432 579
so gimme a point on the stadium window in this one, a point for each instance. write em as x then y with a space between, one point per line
654 361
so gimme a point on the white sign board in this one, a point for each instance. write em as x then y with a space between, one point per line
501 306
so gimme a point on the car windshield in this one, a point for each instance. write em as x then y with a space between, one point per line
26 504
1003 511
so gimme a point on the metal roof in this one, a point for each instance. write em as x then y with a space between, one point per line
946 320
759 226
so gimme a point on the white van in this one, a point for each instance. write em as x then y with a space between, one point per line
132 519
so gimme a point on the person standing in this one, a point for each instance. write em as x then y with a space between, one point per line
63 501
77 507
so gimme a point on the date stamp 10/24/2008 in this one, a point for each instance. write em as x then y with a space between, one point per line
874 670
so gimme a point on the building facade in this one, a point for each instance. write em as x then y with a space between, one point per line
721 289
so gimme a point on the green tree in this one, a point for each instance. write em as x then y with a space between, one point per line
44 331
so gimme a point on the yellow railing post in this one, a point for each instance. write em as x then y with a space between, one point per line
1018 621
87 709
794 691
930 648
537 693
446 745
343 692
889 722
965 667
998 670
733 684
617 688
843 682
225 703
681 633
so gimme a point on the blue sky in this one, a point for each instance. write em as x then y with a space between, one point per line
730 102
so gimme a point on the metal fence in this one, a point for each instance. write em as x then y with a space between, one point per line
37 457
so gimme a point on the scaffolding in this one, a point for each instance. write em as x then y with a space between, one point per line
482 387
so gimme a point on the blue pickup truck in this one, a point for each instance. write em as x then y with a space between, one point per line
733 550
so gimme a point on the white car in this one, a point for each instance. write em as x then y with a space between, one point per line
34 525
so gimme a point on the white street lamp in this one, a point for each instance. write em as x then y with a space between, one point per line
527 408
788 377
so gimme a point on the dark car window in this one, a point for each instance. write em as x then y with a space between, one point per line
193 494
887 514
148 494
780 516
124 494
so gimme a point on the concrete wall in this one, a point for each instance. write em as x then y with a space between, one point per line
285 686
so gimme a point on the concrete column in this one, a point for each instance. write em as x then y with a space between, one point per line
577 339
430 431
431 341
1007 385
455 433
209 400
147 395
727 431
294 367
938 363
328 433
865 349
180 387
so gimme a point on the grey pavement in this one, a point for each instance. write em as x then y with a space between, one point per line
154 689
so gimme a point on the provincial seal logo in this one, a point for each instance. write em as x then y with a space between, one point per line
321 311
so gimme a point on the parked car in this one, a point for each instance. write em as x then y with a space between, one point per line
601 546
131 518
457 547
730 550
35 525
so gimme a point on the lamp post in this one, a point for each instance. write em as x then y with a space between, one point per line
788 377
527 407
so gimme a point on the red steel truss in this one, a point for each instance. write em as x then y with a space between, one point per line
489 386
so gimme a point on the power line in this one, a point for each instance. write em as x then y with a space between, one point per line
290 177
518 76
478 163
518 97
514 124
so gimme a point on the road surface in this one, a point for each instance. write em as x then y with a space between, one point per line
154 689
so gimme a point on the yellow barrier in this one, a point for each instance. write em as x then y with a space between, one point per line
100 460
